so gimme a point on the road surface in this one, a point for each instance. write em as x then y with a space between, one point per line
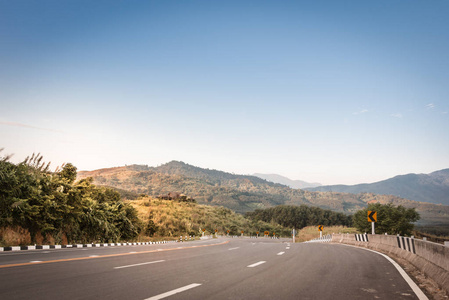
224 268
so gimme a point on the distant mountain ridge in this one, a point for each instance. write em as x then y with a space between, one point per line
294 184
241 193
432 188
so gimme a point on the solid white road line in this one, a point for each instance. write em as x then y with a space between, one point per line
167 294
233 248
288 248
145 263
419 293
256 264
35 261
280 253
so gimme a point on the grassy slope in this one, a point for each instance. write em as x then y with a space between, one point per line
311 232
183 218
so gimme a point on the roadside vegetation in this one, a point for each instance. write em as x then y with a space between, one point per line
311 232
39 206
430 237
300 216
175 218
390 219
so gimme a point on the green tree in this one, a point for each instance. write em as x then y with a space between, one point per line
53 204
151 227
299 216
68 172
390 219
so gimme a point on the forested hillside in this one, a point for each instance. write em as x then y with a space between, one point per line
431 188
238 192
243 193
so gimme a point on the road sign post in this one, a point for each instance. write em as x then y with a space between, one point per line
372 217
320 228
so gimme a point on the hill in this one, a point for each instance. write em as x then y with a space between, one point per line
294 184
240 193
243 193
432 188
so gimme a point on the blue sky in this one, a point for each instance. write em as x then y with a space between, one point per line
323 91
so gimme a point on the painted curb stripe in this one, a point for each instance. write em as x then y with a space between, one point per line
39 247
102 256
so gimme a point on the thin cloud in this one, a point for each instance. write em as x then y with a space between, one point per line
15 124
360 112
398 115
430 106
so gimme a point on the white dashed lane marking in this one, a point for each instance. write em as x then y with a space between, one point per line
170 293
256 264
141 264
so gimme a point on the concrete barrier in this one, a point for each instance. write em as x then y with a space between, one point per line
431 258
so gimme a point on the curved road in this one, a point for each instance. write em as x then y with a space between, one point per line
223 268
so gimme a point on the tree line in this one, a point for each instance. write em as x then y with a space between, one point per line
391 219
54 205
300 216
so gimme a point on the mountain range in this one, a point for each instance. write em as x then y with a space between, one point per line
294 184
241 193
432 188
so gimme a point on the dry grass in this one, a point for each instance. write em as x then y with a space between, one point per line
311 232
14 236
183 218
17 236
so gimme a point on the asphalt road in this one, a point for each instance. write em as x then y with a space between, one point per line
224 268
